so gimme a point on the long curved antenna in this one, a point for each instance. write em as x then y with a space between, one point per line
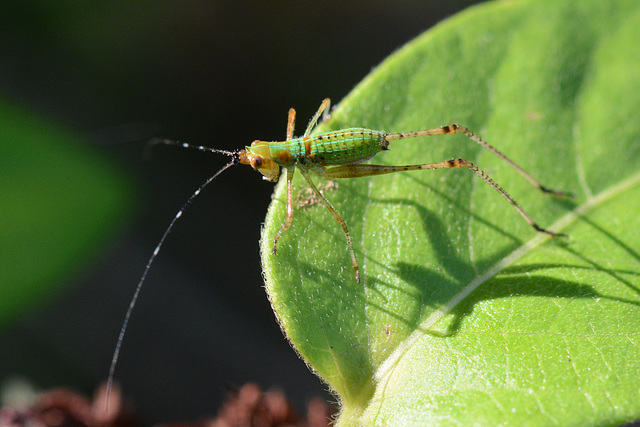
134 299
156 141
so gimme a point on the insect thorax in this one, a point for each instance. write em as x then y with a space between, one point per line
339 147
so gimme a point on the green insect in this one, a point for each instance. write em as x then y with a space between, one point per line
333 155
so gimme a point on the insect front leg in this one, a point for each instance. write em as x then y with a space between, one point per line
289 220
291 123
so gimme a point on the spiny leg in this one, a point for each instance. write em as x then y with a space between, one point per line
326 202
454 128
289 220
338 218
291 123
361 170
312 123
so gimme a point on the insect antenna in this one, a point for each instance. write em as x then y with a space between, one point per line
116 353
156 141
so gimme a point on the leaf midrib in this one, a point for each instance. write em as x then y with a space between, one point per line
387 366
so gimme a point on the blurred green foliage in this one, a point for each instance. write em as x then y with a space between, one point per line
60 203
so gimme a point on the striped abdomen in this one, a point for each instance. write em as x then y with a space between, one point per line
338 147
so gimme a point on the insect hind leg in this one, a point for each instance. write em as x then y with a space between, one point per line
454 128
362 170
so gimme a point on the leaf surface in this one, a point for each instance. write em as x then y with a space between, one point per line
465 314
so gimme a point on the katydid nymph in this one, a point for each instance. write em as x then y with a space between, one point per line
333 155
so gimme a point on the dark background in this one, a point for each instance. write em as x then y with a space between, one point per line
213 73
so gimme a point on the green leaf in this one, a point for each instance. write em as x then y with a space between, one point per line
60 202
465 314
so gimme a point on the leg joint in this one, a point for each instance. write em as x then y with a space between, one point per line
458 163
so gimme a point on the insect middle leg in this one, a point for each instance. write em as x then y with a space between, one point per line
326 203
338 218
361 170
312 123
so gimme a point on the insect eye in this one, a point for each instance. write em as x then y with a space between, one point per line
256 162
